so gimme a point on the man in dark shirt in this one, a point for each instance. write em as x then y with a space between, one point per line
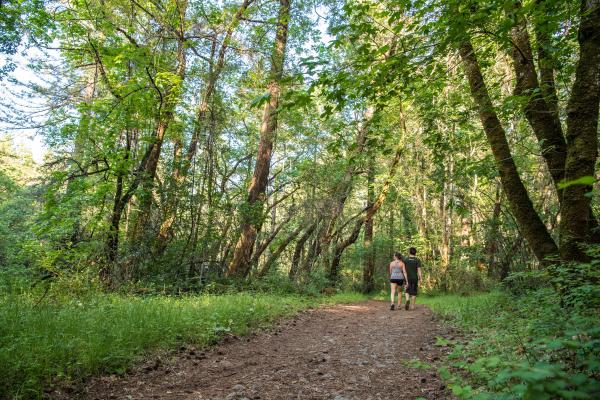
413 272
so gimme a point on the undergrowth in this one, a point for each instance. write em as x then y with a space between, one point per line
522 346
65 340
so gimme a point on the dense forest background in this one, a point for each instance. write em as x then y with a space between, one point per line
189 139
294 145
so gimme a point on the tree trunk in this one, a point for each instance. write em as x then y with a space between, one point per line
147 167
341 192
368 255
445 242
264 244
491 245
529 222
542 117
253 209
582 137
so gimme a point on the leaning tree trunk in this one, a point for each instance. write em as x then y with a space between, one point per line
574 158
539 109
341 192
282 246
253 209
146 169
264 244
528 220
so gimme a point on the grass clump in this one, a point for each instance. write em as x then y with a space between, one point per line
58 342
522 347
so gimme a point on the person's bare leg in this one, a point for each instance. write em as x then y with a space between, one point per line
392 292
399 296
413 301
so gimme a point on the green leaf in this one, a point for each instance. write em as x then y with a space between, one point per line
584 180
260 100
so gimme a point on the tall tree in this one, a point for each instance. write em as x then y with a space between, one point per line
582 138
253 208
530 224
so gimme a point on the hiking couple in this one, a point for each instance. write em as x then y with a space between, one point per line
405 273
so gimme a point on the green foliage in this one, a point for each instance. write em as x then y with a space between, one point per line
519 283
578 284
584 180
521 347
21 21
417 364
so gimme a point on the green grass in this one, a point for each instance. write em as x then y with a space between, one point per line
469 312
55 343
521 347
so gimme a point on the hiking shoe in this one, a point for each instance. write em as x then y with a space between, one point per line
407 305
392 307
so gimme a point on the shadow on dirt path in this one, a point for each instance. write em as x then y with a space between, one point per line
343 352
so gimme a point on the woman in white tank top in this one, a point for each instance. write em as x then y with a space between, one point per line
397 278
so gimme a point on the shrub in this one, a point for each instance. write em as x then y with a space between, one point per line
519 283
525 346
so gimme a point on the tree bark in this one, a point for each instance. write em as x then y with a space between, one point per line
528 220
165 116
253 209
264 244
491 245
341 192
542 117
546 62
146 169
582 137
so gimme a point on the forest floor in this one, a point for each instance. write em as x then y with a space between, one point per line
343 352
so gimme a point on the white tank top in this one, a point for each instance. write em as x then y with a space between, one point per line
397 271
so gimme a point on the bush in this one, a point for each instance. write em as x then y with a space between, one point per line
525 346
578 284
520 283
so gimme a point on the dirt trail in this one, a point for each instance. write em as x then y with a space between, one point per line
344 352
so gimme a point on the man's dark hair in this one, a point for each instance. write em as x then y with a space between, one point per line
412 251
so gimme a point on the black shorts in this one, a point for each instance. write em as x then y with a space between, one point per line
397 281
413 287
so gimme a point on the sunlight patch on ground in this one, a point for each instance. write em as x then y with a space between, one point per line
340 309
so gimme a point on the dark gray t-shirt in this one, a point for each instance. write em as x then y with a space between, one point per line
412 264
